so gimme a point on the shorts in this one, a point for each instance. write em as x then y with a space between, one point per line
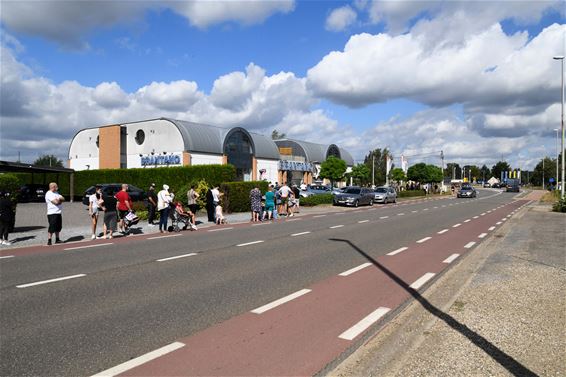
269 207
122 214
110 220
55 223
193 208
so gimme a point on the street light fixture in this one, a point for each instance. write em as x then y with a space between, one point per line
561 58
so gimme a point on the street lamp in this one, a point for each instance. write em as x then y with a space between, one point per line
561 58
557 179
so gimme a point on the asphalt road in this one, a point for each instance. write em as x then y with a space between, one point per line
128 303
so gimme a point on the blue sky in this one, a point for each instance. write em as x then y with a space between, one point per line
358 98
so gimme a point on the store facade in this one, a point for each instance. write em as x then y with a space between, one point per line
169 142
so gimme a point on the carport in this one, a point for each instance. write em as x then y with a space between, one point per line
18 167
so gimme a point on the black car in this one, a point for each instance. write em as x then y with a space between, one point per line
108 189
32 192
467 192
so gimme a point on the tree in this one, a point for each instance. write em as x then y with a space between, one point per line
49 160
380 164
418 172
549 172
398 175
434 174
485 173
498 168
333 168
275 135
453 170
361 173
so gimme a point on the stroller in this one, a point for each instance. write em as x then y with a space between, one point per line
131 219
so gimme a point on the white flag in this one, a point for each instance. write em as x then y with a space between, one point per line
389 164
404 164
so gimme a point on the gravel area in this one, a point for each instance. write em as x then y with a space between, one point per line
508 297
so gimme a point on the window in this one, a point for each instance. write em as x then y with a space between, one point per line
140 137
98 141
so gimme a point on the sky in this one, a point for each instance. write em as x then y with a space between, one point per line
474 79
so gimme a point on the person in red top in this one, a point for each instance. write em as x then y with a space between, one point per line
124 206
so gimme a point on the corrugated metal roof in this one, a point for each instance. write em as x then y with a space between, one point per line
264 147
346 156
200 137
313 152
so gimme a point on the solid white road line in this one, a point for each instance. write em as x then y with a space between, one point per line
467 221
6 256
176 257
363 221
299 234
361 326
469 245
424 239
336 226
50 281
220 229
456 225
482 235
158 237
355 269
314 217
397 251
89 246
384 217
422 280
442 231
281 301
491 228
249 243
118 369
451 258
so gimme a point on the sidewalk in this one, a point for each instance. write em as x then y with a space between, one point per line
501 311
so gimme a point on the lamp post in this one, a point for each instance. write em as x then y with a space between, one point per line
561 58
543 173
557 179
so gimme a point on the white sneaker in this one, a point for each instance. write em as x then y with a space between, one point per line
93 237
7 243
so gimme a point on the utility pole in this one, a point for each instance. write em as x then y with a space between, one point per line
372 170
442 159
543 173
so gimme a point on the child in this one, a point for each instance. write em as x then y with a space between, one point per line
219 217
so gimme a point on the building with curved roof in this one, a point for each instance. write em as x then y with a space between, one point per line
171 142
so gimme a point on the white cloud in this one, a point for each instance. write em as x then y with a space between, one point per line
340 18
67 22
174 96
110 95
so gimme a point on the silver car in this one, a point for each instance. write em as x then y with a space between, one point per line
354 196
385 195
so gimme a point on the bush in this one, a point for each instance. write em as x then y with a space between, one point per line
314 200
410 193
201 188
9 183
559 206
237 195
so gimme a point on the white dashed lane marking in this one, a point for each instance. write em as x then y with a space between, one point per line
456 225
336 226
482 235
384 217
50 281
140 360
355 269
176 257
250 243
442 231
299 234
451 258
422 280
169 236
281 301
362 221
424 239
491 228
89 246
399 250
469 245
361 326
6 256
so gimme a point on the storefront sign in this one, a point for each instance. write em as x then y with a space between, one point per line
295 165
161 160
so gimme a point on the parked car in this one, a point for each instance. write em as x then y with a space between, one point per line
315 190
136 193
354 196
496 185
32 192
385 195
467 192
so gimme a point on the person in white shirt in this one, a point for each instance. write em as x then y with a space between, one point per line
284 191
94 203
54 209
163 204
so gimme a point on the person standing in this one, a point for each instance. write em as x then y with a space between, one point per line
255 201
284 191
163 205
151 204
297 194
94 207
269 202
6 217
124 206
192 196
54 210
109 204
210 205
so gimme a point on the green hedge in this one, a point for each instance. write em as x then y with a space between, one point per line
410 193
314 200
237 195
176 177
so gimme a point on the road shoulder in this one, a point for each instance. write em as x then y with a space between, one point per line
500 311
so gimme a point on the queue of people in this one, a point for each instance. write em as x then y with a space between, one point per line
276 201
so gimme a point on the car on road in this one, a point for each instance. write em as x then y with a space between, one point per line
385 195
315 190
32 192
354 196
136 193
467 192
